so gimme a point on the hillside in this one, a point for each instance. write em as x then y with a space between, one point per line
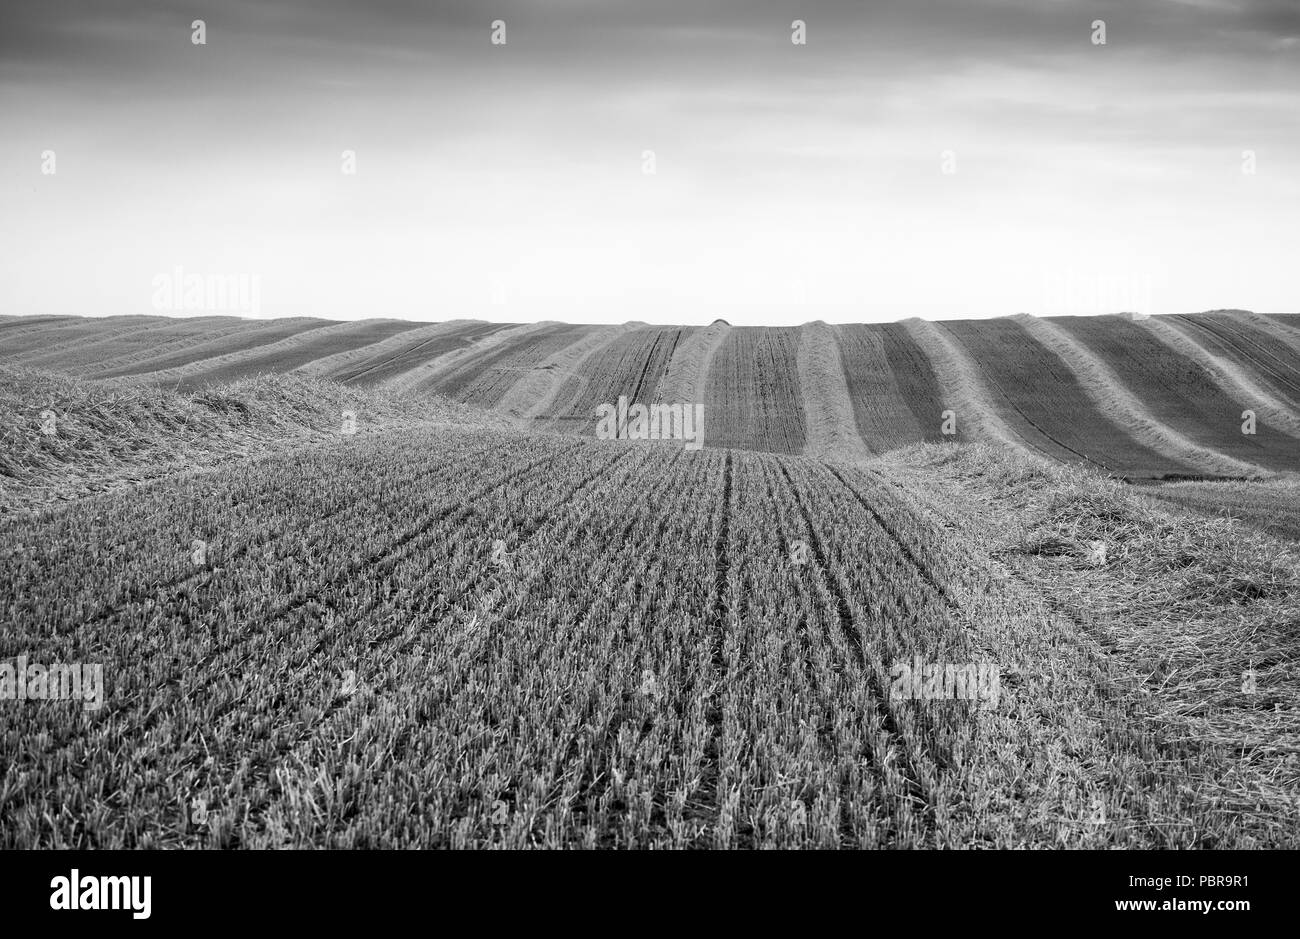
1140 398
540 640
65 438
395 597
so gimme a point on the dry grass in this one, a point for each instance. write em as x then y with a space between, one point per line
109 435
963 383
832 431
1272 507
688 371
1197 621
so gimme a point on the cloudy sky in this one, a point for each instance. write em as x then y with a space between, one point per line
667 161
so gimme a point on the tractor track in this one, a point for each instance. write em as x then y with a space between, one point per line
1272 365
915 789
921 568
706 795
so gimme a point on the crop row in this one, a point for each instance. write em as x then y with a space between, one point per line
568 644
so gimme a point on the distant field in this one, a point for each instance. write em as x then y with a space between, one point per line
1262 353
484 380
753 397
409 349
195 348
1046 405
1181 394
889 392
288 354
896 397
1269 507
631 364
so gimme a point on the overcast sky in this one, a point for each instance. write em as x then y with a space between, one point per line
791 182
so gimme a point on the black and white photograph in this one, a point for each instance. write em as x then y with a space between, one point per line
840 430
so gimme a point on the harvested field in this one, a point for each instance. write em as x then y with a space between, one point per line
165 338
64 439
67 335
413 351
1237 382
753 398
543 382
674 669
1262 354
160 362
1043 402
522 457
688 371
968 400
460 365
483 380
1104 391
20 324
319 606
831 429
630 364
1270 507
896 399
1180 393
1290 322
294 352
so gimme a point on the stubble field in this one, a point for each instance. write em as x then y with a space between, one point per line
435 625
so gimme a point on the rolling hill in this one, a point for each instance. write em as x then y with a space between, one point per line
1141 398
372 584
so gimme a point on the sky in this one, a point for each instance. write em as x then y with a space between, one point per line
673 161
